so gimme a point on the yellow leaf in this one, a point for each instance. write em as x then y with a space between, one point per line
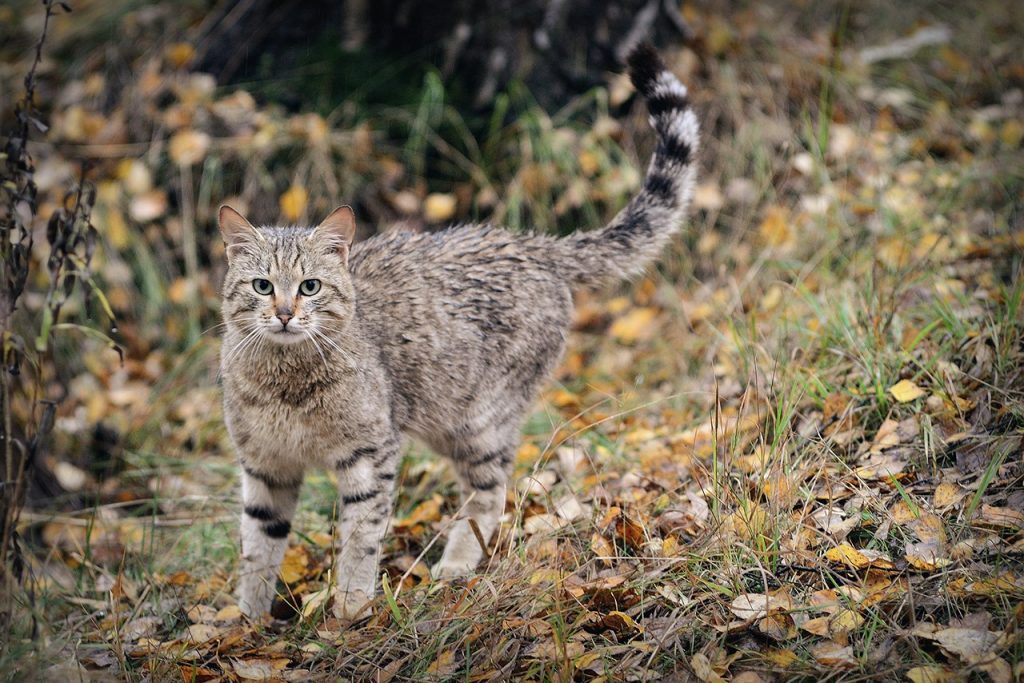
295 564
781 657
845 553
1012 133
528 453
930 673
589 163
906 391
774 228
635 325
314 601
188 146
293 202
229 613
845 621
439 207
179 54
947 494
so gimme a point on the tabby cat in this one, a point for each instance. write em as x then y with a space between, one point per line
333 351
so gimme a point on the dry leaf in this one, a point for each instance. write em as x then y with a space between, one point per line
834 654
702 669
438 207
845 553
932 673
293 202
188 147
966 643
633 326
906 391
444 665
295 564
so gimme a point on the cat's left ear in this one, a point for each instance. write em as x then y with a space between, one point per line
338 230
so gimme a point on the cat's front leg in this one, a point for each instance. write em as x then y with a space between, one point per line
268 506
366 482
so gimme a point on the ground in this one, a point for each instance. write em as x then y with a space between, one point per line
792 451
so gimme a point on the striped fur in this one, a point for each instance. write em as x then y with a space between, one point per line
446 337
637 235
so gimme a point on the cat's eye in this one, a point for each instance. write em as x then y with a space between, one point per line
309 287
262 286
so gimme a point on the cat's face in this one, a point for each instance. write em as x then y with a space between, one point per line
288 285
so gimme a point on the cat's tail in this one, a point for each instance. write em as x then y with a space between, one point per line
639 232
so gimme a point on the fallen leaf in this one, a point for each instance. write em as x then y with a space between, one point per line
187 147
906 391
295 563
444 665
966 643
438 207
702 669
258 669
931 673
293 202
834 654
198 634
948 494
633 326
845 553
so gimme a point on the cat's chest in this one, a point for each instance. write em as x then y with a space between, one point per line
289 425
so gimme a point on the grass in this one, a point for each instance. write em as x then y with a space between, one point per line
732 447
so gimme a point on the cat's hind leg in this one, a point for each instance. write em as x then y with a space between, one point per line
483 465
268 507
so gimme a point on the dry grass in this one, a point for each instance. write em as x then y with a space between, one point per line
721 483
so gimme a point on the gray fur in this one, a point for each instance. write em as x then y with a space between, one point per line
445 337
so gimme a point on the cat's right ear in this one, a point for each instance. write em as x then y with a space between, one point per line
235 230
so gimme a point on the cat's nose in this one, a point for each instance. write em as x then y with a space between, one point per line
284 316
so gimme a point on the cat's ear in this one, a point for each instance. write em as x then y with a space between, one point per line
235 230
338 230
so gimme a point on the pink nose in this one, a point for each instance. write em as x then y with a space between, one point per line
284 318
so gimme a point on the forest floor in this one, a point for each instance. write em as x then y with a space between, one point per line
793 451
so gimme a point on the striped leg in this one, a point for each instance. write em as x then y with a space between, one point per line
366 483
269 505
484 479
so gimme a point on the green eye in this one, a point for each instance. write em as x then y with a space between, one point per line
262 286
309 287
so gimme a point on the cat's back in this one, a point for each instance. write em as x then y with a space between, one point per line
450 253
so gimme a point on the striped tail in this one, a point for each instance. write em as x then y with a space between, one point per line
637 235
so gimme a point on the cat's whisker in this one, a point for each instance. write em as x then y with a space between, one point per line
226 323
330 342
327 367
247 340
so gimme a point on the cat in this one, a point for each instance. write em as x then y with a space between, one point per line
334 351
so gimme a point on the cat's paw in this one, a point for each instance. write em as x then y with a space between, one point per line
350 605
254 608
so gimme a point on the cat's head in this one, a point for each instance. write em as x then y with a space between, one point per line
288 285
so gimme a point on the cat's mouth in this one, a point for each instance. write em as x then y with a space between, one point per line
284 335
